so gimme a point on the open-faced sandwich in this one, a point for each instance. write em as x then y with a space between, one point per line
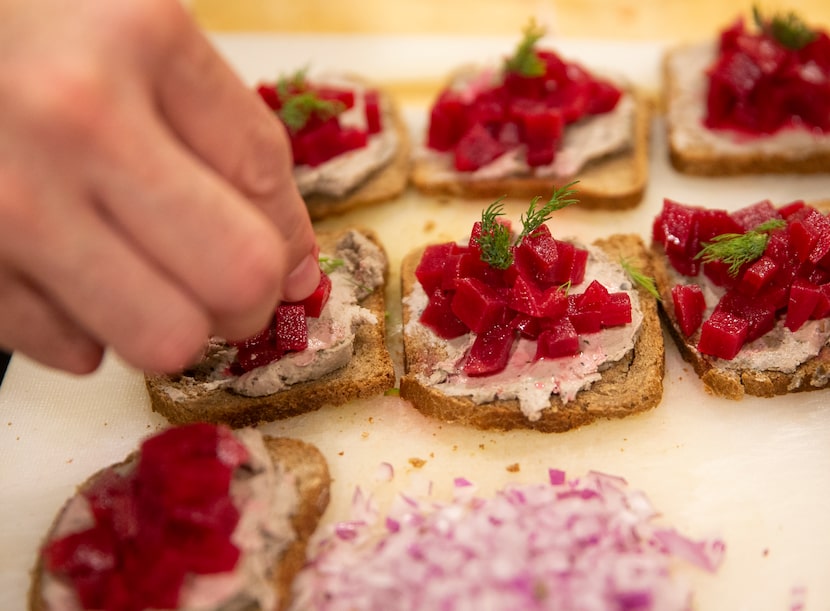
326 350
522 330
757 100
350 145
746 295
200 517
534 121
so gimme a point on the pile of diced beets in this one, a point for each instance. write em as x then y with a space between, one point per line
171 517
324 137
286 332
529 299
479 126
757 85
791 279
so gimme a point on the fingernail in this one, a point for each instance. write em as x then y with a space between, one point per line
303 280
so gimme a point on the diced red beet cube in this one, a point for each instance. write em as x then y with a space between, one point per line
689 306
374 121
541 155
675 229
540 125
520 86
822 309
617 310
750 217
336 94
723 335
349 139
291 328
313 304
584 320
559 340
320 144
528 326
430 269
580 262
713 222
718 272
251 357
804 298
537 254
269 95
605 97
757 275
447 122
594 297
477 305
788 210
439 317
758 312
476 148
490 351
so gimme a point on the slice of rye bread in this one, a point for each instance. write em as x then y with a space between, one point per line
632 384
692 149
181 398
312 484
730 383
616 181
386 183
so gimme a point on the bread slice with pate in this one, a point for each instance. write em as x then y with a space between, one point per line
130 538
346 359
753 100
629 382
383 184
613 180
351 146
778 363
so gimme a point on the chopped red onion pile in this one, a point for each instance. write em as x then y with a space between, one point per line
585 544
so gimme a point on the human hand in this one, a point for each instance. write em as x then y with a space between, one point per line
146 194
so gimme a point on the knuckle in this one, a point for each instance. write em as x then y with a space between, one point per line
263 166
169 345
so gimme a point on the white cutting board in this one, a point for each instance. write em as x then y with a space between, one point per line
755 473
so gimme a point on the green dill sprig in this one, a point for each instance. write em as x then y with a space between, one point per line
297 109
286 85
329 264
494 240
637 275
737 249
533 219
787 28
524 60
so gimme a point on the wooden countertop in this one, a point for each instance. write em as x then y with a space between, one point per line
612 19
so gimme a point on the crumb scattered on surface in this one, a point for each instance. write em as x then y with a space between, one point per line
514 468
765 553
365 434
341 453
69 461
432 454
429 225
455 448
9 423
481 446
371 419
417 462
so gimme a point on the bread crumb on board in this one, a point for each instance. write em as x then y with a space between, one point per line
514 468
417 462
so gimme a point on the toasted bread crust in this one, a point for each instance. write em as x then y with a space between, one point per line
631 385
701 159
386 183
313 483
617 181
370 372
729 383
